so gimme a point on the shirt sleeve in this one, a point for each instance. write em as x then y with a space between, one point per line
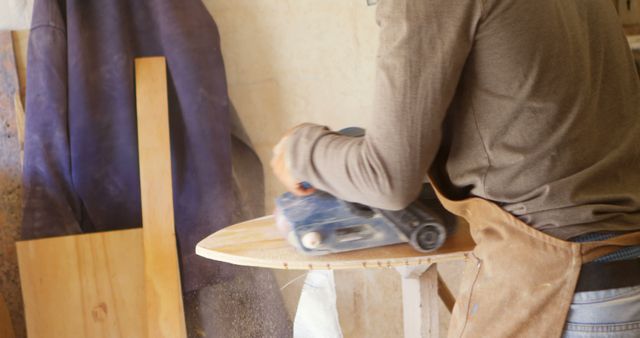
424 45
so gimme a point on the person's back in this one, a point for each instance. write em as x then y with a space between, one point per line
534 105
546 121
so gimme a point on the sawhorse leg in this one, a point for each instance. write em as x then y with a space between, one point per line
420 301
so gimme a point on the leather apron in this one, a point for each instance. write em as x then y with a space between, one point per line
518 281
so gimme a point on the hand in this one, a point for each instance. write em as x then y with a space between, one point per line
280 169
282 224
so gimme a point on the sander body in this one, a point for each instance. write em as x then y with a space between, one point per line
321 223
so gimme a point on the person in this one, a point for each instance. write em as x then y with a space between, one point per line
526 116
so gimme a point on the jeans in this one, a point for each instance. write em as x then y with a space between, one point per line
613 313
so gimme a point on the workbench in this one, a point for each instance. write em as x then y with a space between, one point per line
258 243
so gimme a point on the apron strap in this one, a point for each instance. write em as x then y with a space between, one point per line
458 208
594 250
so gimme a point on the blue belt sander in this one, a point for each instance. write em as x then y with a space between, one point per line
320 223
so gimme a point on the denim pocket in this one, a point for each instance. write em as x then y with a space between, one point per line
621 330
606 313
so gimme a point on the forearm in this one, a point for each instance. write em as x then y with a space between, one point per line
358 169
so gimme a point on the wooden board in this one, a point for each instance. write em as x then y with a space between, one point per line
6 327
258 243
165 314
10 190
84 285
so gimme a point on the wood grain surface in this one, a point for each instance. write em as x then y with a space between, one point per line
165 314
420 301
6 328
258 243
94 285
84 285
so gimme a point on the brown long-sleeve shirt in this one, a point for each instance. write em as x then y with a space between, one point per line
534 105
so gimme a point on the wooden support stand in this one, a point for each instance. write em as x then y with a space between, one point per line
420 301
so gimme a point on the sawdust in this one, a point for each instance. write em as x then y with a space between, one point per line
248 305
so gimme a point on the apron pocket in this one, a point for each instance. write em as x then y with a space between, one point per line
464 308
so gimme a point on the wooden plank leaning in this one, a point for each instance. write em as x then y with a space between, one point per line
165 314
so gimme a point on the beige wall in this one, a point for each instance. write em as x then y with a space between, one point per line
296 61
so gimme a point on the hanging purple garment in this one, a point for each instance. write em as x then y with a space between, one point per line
81 161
